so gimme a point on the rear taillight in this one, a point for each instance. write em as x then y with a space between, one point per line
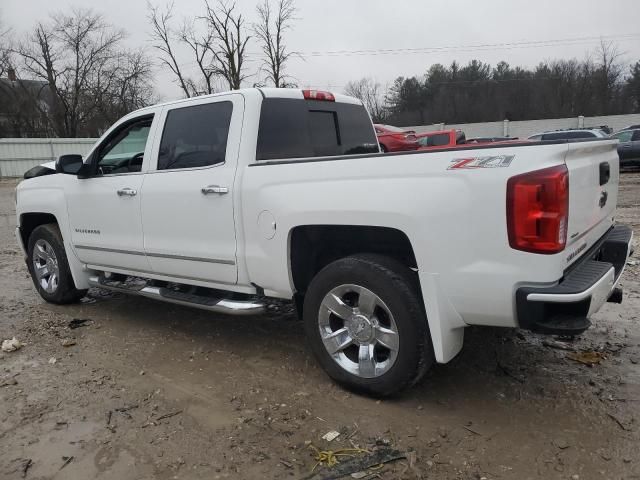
538 210
318 95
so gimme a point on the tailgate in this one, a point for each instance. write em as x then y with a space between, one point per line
593 193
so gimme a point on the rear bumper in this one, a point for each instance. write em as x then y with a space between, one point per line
565 308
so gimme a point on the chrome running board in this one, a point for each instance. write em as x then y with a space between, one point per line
210 303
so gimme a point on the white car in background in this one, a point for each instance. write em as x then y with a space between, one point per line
575 134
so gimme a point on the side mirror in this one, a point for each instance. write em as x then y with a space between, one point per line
69 164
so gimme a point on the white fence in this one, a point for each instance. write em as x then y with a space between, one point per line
17 155
523 129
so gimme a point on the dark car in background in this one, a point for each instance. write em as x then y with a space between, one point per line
629 147
394 139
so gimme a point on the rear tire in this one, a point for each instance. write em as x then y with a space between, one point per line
378 342
384 149
49 267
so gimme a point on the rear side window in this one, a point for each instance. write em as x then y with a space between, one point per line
636 136
296 128
195 136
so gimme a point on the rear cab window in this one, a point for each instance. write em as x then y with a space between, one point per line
296 128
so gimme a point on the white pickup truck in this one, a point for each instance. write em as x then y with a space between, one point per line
222 201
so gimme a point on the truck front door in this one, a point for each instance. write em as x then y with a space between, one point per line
104 210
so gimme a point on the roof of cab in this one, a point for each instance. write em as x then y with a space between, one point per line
264 92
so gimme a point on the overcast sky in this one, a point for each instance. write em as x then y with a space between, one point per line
442 31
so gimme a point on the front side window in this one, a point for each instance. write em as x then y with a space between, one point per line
195 136
624 136
123 152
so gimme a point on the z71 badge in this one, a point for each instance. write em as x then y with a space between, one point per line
496 161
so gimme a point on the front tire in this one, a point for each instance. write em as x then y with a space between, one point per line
366 325
49 267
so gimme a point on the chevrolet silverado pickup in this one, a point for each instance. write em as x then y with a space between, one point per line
223 201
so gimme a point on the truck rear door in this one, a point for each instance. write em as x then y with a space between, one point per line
188 194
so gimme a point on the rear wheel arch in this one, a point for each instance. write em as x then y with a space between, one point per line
312 247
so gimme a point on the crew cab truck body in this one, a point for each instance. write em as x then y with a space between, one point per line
222 200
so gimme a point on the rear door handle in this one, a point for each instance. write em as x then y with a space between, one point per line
127 192
214 189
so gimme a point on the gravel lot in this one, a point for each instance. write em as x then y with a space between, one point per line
146 390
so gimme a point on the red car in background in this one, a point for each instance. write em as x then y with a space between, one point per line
394 139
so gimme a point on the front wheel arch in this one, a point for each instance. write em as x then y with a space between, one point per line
54 259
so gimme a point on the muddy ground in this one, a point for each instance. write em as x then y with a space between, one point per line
147 390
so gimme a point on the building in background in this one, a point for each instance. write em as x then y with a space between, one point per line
24 105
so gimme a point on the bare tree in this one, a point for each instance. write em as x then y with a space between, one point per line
77 57
5 50
200 46
369 92
124 86
610 71
230 42
270 34
163 38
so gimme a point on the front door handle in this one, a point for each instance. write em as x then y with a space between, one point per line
127 192
214 189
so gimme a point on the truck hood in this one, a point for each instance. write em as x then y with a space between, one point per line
46 168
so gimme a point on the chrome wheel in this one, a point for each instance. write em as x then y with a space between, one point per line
358 331
45 266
